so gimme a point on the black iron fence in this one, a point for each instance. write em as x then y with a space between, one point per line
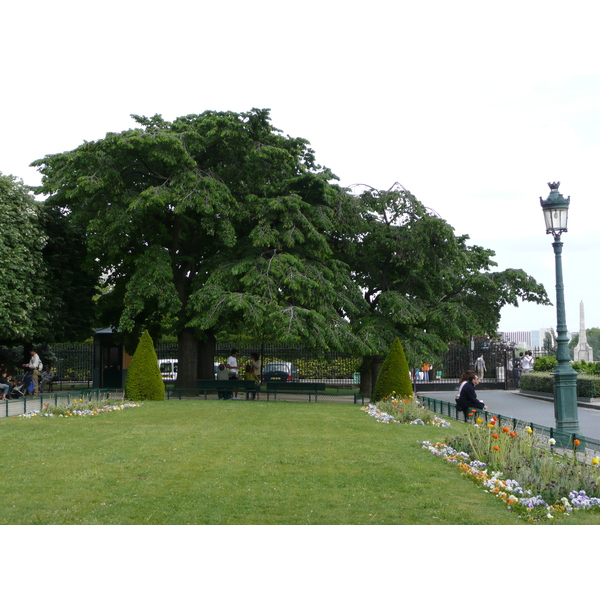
73 363
336 367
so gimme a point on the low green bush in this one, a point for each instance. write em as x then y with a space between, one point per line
590 368
588 386
545 363
542 381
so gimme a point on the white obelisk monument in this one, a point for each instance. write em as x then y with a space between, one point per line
583 351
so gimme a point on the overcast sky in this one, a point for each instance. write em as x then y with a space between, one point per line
472 106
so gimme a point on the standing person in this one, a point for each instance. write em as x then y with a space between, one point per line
517 369
222 375
35 366
527 362
480 367
256 365
468 397
232 365
250 375
425 367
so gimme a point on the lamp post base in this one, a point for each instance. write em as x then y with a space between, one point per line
565 403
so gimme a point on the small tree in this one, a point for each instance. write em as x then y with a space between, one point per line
144 381
394 375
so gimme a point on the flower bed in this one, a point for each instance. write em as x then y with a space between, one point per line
78 408
523 470
403 411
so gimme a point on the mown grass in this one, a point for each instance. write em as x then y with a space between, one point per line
211 462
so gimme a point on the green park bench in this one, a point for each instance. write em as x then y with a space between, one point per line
236 385
275 387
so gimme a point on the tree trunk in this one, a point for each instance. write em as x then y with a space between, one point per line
369 372
187 359
207 347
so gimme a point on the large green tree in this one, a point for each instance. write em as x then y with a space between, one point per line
421 282
46 296
21 259
212 222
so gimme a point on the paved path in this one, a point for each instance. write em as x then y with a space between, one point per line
540 412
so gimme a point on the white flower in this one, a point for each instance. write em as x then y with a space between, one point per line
552 441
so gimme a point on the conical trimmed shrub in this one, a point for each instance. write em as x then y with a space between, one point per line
144 381
394 375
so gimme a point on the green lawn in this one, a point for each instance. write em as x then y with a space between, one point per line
211 462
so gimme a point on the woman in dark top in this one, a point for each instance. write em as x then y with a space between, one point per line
468 398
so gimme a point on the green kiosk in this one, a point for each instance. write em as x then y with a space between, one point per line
110 360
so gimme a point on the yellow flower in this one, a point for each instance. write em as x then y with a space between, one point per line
529 430
479 420
595 460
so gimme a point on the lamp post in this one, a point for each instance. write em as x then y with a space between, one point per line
556 209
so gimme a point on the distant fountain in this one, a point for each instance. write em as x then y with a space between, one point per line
583 351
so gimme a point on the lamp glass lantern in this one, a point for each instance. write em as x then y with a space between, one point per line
556 211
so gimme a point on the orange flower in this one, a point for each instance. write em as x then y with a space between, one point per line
506 429
513 434
576 442
496 448
495 436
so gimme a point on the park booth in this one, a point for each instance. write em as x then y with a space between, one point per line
110 360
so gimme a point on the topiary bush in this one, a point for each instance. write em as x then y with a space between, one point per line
144 381
394 376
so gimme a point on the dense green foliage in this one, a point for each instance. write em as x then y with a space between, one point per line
21 259
394 377
214 222
591 368
545 363
420 281
144 381
217 223
46 295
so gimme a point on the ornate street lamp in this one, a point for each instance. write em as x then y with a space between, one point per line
556 208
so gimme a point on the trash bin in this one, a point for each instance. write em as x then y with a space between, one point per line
356 378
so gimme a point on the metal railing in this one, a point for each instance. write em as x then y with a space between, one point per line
444 408
21 406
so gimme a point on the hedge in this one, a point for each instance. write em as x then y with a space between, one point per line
588 386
